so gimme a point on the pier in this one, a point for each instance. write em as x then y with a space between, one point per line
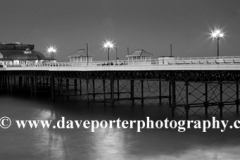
206 85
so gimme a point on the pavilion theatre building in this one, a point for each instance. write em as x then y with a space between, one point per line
18 53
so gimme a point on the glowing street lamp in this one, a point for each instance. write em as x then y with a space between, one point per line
51 50
218 34
109 45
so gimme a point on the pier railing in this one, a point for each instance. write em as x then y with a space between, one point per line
150 62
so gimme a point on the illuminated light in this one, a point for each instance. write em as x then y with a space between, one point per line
52 50
108 44
217 33
214 35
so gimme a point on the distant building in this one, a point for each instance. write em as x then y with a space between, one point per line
80 56
18 53
139 55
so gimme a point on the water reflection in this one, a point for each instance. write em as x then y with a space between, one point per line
109 143
71 144
54 143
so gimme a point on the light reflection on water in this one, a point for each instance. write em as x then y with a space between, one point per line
53 144
107 143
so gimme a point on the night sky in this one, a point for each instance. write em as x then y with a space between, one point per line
138 24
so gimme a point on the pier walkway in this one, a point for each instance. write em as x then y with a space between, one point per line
187 63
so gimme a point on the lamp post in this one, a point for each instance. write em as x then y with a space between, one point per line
51 50
218 34
109 45
116 53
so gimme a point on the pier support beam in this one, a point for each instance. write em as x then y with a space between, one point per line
75 86
67 87
40 82
173 104
112 91
47 82
206 99
8 83
170 92
104 91
14 82
11 84
187 105
87 83
118 90
237 98
160 91
132 91
53 88
221 100
0 83
80 87
93 87
61 88
142 92
32 86
35 86
20 82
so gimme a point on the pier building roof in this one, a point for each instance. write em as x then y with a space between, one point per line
21 55
79 53
19 51
139 53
